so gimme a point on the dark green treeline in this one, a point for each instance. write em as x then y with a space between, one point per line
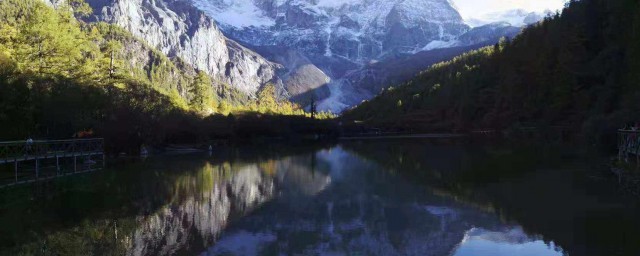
579 70
62 77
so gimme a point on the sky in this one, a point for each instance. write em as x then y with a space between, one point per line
477 8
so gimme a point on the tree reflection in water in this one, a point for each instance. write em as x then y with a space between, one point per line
368 210
366 198
566 198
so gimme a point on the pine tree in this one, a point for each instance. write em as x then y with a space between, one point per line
313 107
224 107
267 102
46 41
201 92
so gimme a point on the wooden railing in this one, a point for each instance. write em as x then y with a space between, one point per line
628 143
46 159
12 151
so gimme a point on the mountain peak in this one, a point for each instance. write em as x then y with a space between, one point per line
515 17
358 30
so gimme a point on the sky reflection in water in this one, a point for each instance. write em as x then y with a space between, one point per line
328 202
341 204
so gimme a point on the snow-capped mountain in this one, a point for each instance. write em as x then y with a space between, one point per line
177 29
516 18
335 48
329 50
358 30
366 81
335 37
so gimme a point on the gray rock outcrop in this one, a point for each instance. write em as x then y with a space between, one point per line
178 29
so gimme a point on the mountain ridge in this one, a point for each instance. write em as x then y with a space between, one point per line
574 73
359 30
329 72
177 29
342 38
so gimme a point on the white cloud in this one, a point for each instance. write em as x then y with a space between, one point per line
478 8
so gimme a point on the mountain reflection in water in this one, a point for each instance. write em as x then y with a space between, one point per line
367 211
374 198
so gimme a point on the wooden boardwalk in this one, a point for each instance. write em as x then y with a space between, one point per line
46 159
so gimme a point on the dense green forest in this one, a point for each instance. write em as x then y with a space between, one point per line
61 77
578 69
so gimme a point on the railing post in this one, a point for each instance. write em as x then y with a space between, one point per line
104 155
636 149
37 167
621 142
81 155
619 146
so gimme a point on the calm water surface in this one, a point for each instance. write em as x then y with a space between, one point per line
382 197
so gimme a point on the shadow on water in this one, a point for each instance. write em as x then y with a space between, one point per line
158 206
568 198
358 208
373 197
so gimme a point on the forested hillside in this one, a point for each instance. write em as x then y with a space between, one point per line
579 69
61 76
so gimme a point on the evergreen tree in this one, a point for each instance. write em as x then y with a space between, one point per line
313 107
201 92
224 107
267 102
45 41
569 70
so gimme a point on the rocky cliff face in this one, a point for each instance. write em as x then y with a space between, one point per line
311 48
206 214
368 80
345 42
516 17
359 30
179 30
302 76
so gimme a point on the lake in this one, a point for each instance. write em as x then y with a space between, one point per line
411 196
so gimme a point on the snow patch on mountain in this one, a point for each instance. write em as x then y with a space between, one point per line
335 3
237 13
516 18
342 38
335 103
358 30
438 44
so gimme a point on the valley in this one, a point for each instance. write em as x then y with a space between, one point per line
319 127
